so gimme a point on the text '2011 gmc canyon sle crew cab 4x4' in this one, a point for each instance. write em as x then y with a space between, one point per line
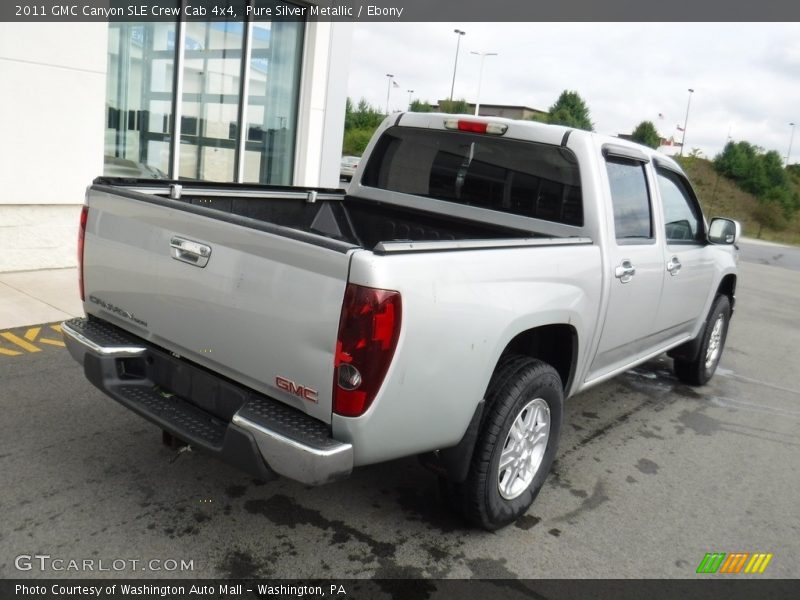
477 272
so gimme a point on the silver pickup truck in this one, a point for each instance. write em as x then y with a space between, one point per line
476 272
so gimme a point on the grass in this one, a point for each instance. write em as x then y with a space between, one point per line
721 197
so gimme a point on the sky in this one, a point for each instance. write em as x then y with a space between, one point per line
745 76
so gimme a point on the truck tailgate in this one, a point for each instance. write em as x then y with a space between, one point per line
256 306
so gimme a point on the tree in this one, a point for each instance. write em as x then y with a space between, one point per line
570 110
769 215
360 123
763 175
355 141
455 107
645 133
420 106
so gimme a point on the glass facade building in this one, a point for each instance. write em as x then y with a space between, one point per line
214 101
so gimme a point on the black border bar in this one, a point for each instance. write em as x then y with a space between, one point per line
459 11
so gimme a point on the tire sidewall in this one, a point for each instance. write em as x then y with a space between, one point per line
548 387
721 307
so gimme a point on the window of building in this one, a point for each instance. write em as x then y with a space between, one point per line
683 222
630 199
236 118
541 181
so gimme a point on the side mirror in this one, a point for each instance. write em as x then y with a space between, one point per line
724 231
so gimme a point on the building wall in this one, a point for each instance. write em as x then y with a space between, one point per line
52 119
51 147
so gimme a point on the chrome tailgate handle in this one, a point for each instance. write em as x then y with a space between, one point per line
193 253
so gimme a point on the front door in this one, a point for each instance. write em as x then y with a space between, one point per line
688 265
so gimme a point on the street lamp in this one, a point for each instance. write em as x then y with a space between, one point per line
480 78
409 98
459 33
686 120
388 90
791 139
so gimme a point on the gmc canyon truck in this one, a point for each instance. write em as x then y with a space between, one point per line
476 273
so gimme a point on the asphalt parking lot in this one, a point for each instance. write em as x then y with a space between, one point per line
650 476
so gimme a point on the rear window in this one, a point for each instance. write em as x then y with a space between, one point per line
524 178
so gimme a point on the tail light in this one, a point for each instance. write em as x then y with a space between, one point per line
81 237
368 331
476 126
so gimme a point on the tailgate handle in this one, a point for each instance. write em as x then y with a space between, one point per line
187 251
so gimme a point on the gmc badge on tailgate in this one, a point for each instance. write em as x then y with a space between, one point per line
297 390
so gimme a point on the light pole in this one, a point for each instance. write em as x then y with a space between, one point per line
791 139
480 78
409 98
459 33
390 80
686 120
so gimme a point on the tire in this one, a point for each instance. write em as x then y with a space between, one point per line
700 370
526 392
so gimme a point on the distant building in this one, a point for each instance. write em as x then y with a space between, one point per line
666 146
506 111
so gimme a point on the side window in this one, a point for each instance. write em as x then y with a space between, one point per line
682 217
630 199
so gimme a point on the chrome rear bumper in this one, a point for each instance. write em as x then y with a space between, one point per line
249 430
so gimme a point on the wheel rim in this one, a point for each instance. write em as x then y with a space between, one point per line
523 450
715 342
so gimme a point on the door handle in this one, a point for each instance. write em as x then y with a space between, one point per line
193 253
625 271
673 266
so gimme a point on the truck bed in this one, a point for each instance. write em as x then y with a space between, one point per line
320 212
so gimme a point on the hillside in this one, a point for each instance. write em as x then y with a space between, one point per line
730 201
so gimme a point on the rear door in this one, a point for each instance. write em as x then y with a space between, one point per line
259 308
636 263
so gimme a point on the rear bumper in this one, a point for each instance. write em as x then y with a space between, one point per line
248 430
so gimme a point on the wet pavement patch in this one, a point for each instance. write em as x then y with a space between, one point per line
526 522
490 568
597 498
698 422
647 466
240 565
235 491
284 511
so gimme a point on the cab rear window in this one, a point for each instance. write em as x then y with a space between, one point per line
535 180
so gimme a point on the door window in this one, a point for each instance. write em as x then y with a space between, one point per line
633 222
683 222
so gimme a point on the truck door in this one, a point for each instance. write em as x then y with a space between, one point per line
688 265
636 264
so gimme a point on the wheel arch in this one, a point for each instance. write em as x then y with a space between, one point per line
556 344
727 287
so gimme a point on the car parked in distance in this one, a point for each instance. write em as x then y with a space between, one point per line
348 167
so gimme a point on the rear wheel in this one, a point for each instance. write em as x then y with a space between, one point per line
700 370
516 445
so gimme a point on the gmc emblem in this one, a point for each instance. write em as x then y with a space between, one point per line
300 391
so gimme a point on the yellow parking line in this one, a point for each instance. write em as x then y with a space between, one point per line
14 339
31 334
51 342
56 328
9 352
